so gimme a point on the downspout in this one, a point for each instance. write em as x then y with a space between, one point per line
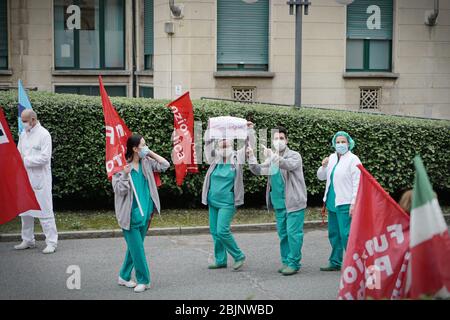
134 76
430 19
176 10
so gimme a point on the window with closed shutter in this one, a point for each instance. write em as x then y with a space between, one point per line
369 35
3 35
242 35
148 34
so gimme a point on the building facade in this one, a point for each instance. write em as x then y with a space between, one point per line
372 55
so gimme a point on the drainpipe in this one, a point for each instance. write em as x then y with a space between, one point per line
176 10
431 16
134 76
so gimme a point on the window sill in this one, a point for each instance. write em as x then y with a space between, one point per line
7 72
244 74
370 75
144 73
72 72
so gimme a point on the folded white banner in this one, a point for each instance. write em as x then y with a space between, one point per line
227 128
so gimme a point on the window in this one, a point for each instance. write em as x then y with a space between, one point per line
3 35
242 35
89 34
369 35
146 92
113 91
148 34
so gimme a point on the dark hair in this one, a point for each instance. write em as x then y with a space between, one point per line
281 129
132 142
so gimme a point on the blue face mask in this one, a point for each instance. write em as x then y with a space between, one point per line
143 152
341 148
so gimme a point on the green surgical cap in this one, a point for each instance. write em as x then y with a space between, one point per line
351 143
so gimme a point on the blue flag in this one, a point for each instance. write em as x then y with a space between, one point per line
24 103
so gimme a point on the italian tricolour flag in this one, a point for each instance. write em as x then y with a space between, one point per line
429 267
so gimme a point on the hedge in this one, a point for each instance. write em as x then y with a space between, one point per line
386 145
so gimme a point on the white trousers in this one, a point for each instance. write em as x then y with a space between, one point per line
48 227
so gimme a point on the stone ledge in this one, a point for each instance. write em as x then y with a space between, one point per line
244 74
370 75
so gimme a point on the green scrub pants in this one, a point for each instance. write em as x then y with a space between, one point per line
290 232
338 231
219 226
135 256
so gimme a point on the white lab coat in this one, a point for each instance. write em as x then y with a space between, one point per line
35 148
346 177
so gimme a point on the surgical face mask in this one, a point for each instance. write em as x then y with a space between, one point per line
279 145
143 152
225 152
341 148
27 126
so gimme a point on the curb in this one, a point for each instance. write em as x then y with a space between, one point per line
117 233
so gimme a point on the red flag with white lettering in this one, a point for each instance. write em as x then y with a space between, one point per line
183 154
117 134
16 194
377 254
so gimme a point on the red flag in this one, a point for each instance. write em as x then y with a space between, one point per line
183 153
117 134
16 194
377 252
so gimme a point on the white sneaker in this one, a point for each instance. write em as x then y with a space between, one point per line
141 288
49 249
128 284
25 245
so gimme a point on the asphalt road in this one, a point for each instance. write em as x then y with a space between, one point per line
178 266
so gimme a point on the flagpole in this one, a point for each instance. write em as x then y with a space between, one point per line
136 196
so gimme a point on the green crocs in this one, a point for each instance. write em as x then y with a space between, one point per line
282 268
288 271
238 264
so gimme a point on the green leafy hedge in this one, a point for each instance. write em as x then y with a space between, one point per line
385 144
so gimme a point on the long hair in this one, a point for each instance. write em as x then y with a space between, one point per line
132 142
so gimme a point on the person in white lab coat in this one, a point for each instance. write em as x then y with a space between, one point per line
35 147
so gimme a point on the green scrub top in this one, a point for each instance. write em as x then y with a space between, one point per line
143 192
221 186
331 195
277 196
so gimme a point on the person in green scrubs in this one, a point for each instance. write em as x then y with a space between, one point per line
342 176
286 194
135 209
223 191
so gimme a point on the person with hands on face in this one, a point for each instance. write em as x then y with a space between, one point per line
342 180
132 218
286 194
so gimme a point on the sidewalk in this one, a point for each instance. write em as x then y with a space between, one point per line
92 234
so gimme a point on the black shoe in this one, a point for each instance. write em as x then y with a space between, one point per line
330 268
217 266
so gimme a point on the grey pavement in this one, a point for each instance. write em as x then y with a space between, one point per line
178 266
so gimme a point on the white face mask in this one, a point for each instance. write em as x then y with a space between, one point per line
225 152
279 145
27 126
